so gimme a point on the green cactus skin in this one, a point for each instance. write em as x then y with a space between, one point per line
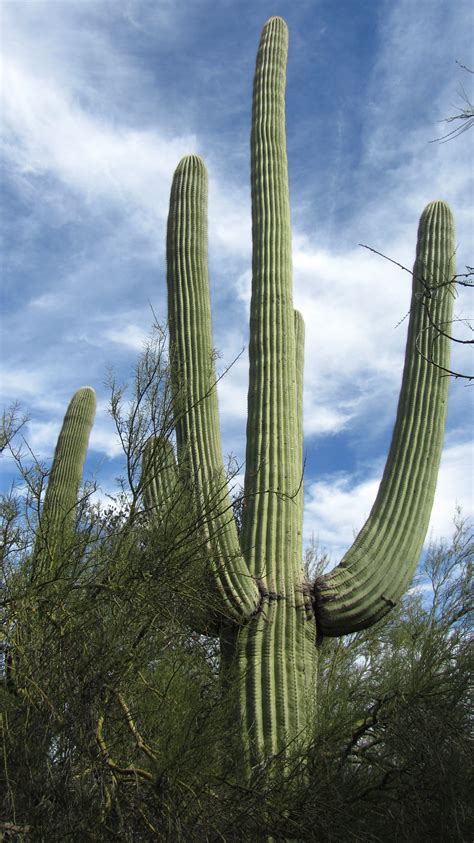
194 378
57 518
276 653
299 358
159 474
376 570
272 618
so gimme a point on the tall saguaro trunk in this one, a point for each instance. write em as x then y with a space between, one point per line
275 652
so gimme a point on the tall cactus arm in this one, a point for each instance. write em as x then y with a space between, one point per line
273 460
57 517
276 655
378 567
194 385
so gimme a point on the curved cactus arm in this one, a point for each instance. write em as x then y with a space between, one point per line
194 386
378 567
159 474
58 513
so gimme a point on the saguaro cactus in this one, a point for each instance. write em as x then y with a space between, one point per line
55 532
270 618
55 536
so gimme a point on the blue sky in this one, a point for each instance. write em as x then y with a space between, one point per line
99 102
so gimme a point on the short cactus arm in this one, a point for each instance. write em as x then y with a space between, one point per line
194 385
57 517
378 567
159 474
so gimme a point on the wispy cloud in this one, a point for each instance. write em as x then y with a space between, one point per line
98 107
131 336
338 505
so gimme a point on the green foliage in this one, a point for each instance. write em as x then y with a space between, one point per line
115 724
93 663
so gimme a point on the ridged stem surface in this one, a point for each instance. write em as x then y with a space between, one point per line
376 570
58 514
159 475
299 360
194 384
276 651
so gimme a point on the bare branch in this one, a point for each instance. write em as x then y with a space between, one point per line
462 280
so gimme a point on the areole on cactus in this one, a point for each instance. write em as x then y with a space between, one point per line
269 617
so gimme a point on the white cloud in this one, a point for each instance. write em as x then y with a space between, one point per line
455 487
89 143
131 336
337 506
22 384
232 386
42 435
104 439
49 132
324 420
351 308
50 302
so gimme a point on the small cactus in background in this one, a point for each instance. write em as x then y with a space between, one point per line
270 617
56 542
55 536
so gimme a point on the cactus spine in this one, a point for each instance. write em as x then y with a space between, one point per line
270 617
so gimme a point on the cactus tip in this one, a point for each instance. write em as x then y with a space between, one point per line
191 160
436 205
277 20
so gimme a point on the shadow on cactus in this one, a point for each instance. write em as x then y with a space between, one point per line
268 617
